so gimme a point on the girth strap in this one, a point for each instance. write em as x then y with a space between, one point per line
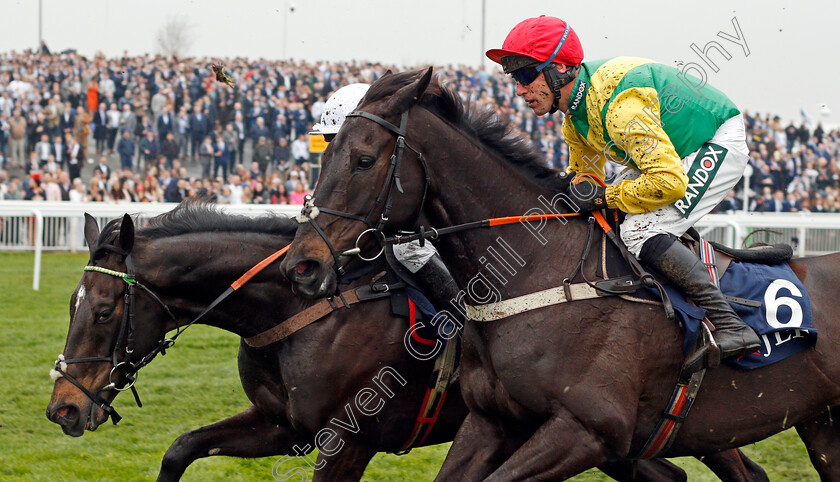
688 384
685 392
435 396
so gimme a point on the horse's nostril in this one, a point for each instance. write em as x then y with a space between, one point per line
66 415
303 267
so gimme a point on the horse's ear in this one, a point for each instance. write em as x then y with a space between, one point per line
127 233
387 73
91 232
406 97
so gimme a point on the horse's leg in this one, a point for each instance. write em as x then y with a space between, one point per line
561 448
822 439
247 434
733 466
729 465
479 447
348 465
654 470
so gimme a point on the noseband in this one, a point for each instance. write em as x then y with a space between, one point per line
386 196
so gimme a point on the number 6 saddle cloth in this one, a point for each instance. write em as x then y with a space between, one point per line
767 295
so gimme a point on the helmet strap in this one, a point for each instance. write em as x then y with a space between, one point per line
556 80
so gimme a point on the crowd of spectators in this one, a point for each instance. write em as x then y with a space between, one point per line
154 129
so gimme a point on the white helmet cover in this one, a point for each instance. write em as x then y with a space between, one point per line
342 102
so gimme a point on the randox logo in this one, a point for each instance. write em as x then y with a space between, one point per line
578 95
702 172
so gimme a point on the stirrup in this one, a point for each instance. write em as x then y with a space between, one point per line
707 355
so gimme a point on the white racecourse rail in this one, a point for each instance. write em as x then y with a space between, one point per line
58 226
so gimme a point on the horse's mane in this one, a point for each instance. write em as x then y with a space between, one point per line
493 132
201 217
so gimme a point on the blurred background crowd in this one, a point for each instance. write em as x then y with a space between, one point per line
154 129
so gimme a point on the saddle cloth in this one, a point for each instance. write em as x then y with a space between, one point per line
783 321
772 300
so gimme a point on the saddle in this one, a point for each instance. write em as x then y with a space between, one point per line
760 253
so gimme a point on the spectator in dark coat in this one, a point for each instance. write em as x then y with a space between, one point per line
175 191
776 204
103 167
282 154
262 154
222 157
199 128
300 119
67 120
259 129
125 148
148 148
279 128
166 122
169 148
100 127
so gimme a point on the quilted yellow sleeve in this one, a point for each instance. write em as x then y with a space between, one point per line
633 122
582 157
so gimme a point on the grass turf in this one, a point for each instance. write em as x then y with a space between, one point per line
195 384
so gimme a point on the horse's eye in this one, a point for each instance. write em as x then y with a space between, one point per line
103 316
365 162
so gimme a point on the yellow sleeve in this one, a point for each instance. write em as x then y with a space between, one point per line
582 157
633 122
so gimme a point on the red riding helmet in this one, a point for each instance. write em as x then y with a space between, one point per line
545 39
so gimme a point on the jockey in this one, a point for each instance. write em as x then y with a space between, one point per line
423 261
682 143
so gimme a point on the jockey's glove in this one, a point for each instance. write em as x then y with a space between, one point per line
563 179
587 197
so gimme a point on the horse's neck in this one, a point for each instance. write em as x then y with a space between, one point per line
188 272
470 183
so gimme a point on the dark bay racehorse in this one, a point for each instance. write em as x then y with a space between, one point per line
297 386
557 390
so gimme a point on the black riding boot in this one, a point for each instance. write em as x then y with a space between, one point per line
687 272
441 289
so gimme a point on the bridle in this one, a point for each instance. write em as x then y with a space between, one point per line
128 331
384 199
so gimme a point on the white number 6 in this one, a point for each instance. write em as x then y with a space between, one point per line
772 303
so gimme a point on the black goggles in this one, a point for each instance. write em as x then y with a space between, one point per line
526 75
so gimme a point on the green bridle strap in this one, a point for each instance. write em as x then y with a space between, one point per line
119 274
